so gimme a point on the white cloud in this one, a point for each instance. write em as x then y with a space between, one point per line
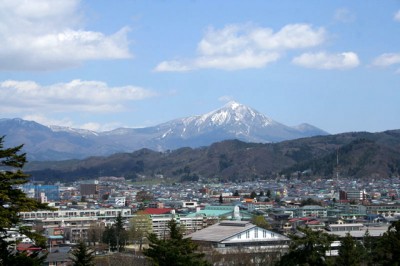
246 46
344 15
387 59
48 35
67 122
397 16
44 120
225 98
75 96
172 66
324 60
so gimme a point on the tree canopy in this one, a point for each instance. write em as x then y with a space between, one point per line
350 252
116 236
309 248
175 250
82 255
13 201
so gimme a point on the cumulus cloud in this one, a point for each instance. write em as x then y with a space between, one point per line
246 46
397 16
387 59
48 35
75 96
324 60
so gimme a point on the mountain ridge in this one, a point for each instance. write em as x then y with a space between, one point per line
232 121
361 155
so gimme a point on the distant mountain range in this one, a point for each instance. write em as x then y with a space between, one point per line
232 121
360 155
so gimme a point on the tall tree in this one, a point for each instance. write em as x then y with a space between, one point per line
388 246
350 252
307 249
369 244
116 235
121 233
82 255
109 237
175 250
13 201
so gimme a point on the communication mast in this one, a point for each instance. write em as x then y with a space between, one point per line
337 170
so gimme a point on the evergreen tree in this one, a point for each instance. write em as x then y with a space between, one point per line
109 237
12 202
369 246
174 251
121 233
116 235
388 246
308 249
82 255
268 193
253 195
350 252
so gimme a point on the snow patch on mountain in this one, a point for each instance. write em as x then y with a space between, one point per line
78 131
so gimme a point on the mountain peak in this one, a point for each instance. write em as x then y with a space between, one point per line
232 105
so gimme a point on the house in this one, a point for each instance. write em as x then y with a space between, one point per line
58 259
228 236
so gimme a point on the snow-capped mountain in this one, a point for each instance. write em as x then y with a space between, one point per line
232 121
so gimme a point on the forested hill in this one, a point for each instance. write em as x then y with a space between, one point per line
360 154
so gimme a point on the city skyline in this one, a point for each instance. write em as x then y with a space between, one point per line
98 66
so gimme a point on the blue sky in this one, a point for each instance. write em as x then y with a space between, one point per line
100 64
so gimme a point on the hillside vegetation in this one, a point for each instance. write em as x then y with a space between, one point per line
360 154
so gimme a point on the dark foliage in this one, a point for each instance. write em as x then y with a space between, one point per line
13 201
174 250
82 255
360 154
309 248
115 236
386 252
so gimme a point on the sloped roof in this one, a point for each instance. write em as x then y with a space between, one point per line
156 211
221 231
214 211
226 231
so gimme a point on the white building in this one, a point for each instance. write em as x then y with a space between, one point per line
227 236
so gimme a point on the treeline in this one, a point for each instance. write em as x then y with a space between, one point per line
314 247
360 155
